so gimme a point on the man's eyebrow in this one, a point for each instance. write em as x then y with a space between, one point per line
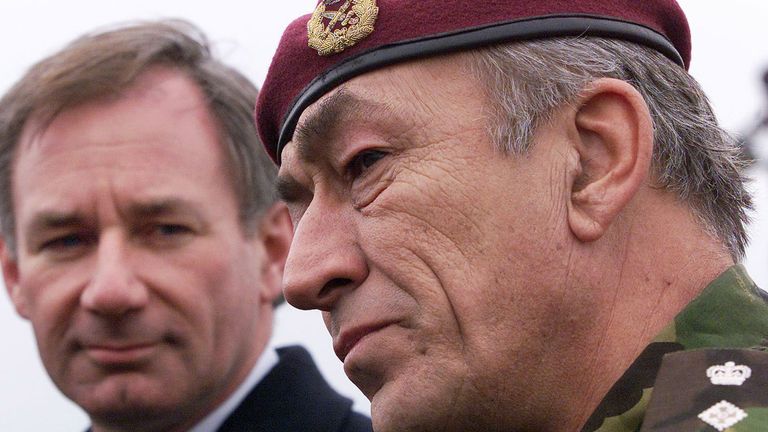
162 207
51 220
331 115
54 219
288 189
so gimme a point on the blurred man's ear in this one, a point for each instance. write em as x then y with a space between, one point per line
276 233
614 141
11 278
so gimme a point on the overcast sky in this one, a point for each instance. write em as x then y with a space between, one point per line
729 57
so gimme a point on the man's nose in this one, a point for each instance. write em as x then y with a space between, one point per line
113 289
325 260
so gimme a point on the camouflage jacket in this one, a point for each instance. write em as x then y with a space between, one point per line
667 388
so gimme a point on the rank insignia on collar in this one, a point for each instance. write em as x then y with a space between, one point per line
339 24
729 374
723 415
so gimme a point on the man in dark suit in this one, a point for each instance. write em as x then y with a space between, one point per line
142 239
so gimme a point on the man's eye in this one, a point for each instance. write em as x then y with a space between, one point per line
171 229
364 160
165 234
64 242
67 246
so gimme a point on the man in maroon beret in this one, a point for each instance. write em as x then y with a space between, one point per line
517 216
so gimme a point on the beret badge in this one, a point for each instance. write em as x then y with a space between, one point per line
337 25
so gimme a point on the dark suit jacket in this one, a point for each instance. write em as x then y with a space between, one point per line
294 397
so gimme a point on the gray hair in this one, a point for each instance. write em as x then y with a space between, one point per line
104 64
693 157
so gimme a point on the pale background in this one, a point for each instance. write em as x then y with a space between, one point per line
730 53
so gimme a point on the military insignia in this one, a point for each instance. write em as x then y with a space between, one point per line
729 374
339 24
723 415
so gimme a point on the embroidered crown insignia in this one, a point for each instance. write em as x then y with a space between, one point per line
729 374
339 24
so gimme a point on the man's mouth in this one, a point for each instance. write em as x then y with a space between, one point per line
120 354
349 338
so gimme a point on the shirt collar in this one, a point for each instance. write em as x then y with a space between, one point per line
266 362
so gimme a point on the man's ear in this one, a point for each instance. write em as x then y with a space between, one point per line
276 234
11 278
614 141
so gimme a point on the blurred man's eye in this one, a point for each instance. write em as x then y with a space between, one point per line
63 242
171 229
65 246
165 234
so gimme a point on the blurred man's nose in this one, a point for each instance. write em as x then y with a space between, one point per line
325 260
113 288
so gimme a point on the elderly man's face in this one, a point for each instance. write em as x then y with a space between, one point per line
148 301
441 264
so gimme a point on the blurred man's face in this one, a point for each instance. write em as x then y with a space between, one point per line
147 299
441 265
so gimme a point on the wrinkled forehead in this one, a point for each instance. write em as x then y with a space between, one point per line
390 100
343 108
343 39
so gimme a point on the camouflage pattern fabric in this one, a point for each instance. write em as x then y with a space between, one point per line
730 313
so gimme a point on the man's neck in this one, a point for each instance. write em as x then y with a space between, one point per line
659 272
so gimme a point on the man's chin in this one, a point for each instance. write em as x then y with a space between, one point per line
399 407
125 400
137 416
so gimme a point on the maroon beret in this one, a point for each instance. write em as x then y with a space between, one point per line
345 38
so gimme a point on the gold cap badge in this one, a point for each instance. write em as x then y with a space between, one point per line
339 24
